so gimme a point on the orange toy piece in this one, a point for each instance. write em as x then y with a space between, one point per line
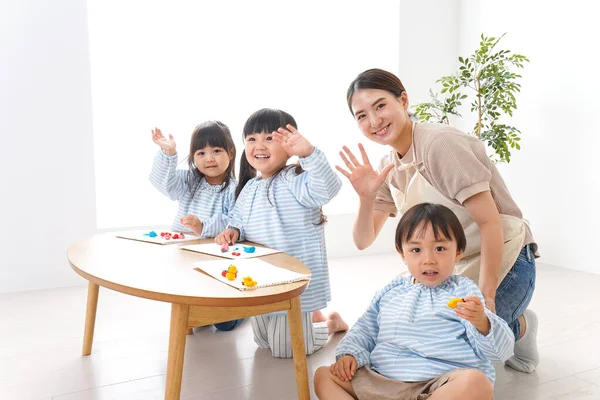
454 302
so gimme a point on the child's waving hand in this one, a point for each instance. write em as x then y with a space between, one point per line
344 368
168 145
473 310
293 142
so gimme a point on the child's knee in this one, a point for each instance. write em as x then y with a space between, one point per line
476 385
322 376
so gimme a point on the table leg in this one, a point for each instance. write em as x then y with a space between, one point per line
90 318
299 353
179 324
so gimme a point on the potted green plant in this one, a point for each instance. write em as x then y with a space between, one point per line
487 78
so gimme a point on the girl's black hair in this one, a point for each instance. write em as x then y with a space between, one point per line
443 221
266 120
212 134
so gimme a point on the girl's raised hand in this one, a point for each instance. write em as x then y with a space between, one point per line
168 145
364 179
293 142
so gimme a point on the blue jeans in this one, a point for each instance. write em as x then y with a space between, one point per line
229 325
515 291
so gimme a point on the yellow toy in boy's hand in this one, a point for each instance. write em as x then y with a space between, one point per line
454 302
248 281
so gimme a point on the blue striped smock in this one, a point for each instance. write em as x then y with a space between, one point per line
289 221
409 333
211 205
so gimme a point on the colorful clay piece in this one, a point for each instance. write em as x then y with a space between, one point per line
176 236
249 249
181 235
230 273
151 234
454 302
225 248
248 281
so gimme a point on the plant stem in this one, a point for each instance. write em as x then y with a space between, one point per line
478 108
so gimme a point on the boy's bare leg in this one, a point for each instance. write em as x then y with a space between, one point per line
329 386
335 323
318 316
466 384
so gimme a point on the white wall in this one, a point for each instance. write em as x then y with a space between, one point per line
178 67
553 177
47 174
46 119
426 53
427 50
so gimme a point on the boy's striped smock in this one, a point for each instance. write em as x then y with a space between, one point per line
211 205
288 220
409 333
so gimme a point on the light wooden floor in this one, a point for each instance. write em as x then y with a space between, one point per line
41 336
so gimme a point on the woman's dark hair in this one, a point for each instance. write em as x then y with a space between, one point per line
375 79
212 134
266 120
443 221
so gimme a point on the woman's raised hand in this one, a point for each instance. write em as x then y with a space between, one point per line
168 145
365 180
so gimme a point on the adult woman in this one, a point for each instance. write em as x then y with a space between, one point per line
438 164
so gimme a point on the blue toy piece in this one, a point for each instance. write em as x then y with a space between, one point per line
249 249
151 234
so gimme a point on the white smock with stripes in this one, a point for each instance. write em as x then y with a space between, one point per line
209 203
409 333
288 220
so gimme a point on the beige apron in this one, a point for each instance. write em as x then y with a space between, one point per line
418 190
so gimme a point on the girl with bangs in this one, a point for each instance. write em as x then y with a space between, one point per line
206 190
279 206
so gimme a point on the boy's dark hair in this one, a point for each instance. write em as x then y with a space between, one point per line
212 134
443 221
266 120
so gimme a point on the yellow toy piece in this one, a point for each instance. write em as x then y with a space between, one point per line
232 268
454 302
248 281
230 276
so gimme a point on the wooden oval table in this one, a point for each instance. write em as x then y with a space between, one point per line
165 273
